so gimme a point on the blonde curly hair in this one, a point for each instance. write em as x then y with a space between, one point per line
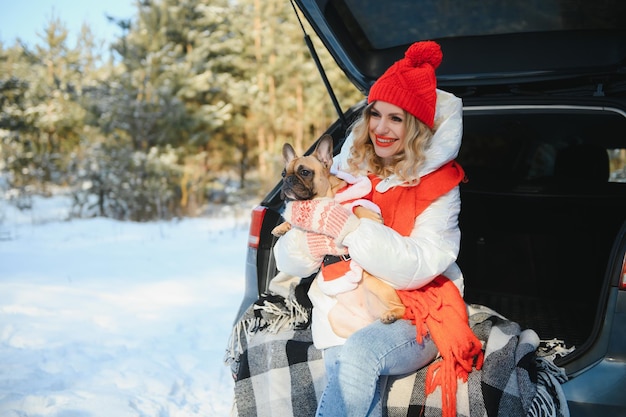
405 164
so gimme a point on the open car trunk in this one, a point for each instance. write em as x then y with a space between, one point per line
540 214
544 205
542 87
542 234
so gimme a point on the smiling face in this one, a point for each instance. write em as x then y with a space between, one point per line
387 129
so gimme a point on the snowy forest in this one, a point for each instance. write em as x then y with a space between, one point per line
188 107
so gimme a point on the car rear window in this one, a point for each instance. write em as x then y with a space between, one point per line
371 20
535 147
617 158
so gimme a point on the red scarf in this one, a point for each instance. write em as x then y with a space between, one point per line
438 307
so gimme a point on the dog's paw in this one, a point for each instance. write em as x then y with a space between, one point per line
388 317
365 213
281 229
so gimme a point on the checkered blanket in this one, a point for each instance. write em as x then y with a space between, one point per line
278 371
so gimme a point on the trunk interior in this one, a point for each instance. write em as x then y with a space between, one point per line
539 216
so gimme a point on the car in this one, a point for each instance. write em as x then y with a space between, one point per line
543 217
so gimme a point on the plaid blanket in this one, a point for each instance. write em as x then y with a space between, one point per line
278 371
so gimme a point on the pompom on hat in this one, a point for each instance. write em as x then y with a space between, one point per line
410 83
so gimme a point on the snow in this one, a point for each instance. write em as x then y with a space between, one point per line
107 318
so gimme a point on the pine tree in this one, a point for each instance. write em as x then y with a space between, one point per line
195 95
47 109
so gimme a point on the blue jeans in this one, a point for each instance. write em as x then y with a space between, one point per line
358 371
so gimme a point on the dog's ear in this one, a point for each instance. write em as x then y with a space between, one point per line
288 153
324 150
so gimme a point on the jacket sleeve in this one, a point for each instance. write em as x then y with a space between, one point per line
409 262
292 254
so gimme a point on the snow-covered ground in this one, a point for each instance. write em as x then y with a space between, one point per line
101 318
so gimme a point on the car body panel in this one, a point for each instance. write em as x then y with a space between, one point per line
537 40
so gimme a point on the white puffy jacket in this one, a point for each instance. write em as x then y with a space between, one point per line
405 262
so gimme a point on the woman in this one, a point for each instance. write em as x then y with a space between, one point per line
409 155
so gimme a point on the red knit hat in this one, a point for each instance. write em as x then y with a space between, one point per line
410 83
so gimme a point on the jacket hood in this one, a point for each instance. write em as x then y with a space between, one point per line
446 141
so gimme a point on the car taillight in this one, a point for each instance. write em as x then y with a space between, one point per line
254 237
622 282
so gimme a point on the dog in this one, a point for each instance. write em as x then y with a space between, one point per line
309 177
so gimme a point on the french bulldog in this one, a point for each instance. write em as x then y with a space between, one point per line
309 177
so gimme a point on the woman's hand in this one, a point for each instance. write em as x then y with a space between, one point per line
322 216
